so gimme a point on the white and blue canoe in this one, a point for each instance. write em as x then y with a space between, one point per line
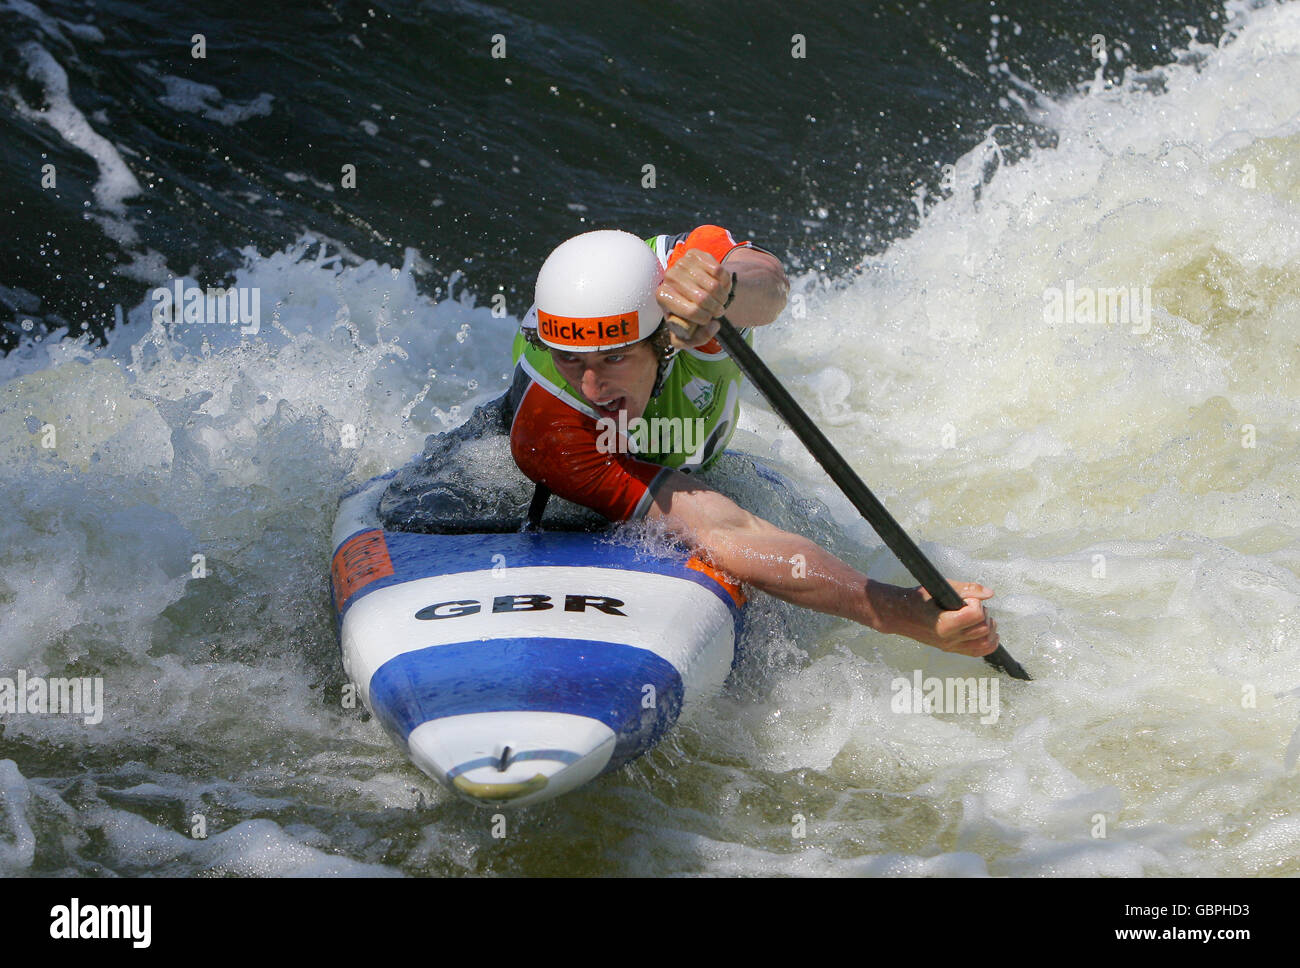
514 667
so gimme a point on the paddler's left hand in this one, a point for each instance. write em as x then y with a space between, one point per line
693 295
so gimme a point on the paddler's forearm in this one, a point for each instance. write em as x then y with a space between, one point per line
784 565
799 571
761 287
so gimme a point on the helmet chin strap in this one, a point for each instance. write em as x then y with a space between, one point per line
661 375
666 357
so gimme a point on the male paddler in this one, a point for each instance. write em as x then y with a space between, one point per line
621 391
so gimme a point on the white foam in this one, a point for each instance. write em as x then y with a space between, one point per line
207 100
253 848
17 842
50 26
1097 472
116 182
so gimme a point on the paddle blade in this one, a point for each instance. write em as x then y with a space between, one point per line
1001 660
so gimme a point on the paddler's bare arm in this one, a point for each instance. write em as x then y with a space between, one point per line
803 573
695 290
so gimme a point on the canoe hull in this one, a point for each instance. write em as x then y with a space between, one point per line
516 667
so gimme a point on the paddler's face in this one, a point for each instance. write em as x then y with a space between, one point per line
613 380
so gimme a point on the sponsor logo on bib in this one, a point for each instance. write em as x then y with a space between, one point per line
700 393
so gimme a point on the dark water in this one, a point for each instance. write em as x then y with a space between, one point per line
482 163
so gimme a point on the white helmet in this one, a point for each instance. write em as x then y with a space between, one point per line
597 292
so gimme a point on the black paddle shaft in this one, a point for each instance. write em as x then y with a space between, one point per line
895 538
